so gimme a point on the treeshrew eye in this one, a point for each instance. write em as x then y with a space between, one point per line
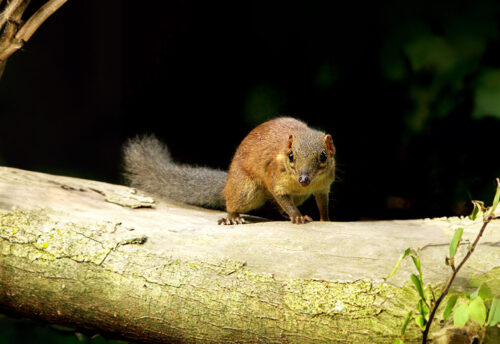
323 157
290 156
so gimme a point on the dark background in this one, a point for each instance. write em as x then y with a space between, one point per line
407 91
410 92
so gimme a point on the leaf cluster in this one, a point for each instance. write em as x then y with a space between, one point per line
479 306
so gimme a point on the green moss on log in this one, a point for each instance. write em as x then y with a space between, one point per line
84 279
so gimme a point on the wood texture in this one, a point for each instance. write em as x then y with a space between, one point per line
14 32
107 259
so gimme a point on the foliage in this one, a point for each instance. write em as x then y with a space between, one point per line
479 306
440 64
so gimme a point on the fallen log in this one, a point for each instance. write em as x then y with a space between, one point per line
108 259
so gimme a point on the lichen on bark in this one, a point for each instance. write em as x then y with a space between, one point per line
136 291
169 274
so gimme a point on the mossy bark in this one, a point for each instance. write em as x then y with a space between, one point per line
69 274
78 265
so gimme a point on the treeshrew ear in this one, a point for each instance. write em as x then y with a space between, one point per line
290 142
329 144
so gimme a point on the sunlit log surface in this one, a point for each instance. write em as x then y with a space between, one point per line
107 259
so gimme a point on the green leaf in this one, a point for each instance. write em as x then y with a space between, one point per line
449 306
461 315
455 241
416 261
398 341
423 309
483 291
494 315
477 310
477 211
419 307
496 199
403 256
418 285
420 321
405 324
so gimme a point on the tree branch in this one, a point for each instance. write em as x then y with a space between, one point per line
12 37
425 334
9 30
29 28
9 9
486 220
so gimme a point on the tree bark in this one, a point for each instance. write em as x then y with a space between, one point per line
106 259
14 32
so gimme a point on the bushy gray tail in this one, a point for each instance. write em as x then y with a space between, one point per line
149 167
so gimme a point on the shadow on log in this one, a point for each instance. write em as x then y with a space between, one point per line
105 258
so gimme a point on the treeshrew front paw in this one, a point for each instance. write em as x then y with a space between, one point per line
231 220
300 219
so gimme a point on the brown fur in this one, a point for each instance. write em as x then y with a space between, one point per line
261 170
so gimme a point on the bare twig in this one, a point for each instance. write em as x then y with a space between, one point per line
12 37
450 281
9 10
29 28
8 32
486 220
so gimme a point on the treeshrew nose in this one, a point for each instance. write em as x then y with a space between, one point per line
304 180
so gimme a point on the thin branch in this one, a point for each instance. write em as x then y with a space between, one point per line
433 300
12 38
29 28
486 220
425 333
11 48
7 46
2 65
9 9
